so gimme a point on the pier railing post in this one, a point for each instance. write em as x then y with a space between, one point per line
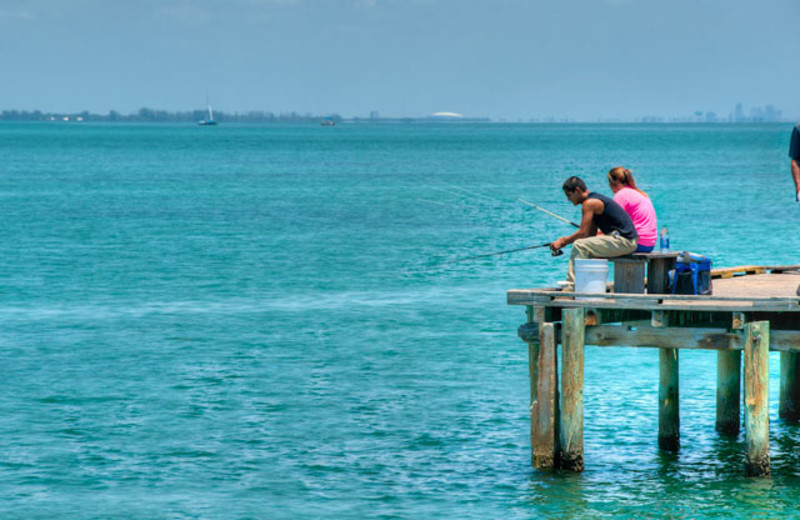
668 411
756 398
544 410
571 409
729 388
789 407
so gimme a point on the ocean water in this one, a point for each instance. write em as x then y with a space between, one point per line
247 322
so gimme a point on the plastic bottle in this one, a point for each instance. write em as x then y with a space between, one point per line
664 240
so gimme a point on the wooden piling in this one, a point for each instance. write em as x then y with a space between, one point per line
668 411
756 398
544 410
789 407
729 387
571 408
533 372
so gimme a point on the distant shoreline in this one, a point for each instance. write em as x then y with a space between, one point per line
146 115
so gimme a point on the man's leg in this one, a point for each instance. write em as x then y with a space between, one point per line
577 252
605 246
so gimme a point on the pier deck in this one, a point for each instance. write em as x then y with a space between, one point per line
754 312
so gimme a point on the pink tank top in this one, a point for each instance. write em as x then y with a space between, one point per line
641 212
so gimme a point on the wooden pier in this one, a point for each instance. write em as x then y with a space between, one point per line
754 309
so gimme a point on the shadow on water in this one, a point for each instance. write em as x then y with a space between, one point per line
785 449
704 480
555 494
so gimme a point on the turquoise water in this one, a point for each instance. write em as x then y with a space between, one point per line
248 322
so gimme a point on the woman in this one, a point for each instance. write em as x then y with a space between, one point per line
637 204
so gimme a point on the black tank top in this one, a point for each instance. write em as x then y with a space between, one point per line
613 218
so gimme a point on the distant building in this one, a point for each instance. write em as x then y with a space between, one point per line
446 116
738 115
771 114
374 115
766 114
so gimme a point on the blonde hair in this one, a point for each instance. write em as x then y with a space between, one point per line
623 176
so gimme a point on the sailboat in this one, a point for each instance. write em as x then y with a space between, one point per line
210 120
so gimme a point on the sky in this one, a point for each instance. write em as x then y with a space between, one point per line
512 59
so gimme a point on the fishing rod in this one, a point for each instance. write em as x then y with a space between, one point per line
555 253
531 204
559 217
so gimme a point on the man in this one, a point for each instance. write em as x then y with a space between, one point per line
599 212
794 153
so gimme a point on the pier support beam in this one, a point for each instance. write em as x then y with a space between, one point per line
729 387
571 409
756 398
544 409
668 411
789 407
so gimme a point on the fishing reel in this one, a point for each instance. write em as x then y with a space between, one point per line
557 252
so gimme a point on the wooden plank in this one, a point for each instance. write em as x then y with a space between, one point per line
673 338
544 410
656 254
650 303
571 409
763 300
642 334
777 290
783 268
730 272
668 406
729 376
743 270
789 405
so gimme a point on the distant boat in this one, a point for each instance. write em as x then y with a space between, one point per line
210 120
328 121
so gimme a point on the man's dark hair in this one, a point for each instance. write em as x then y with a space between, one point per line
573 183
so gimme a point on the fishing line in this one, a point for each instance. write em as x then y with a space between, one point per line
555 253
531 204
460 195
475 193
436 202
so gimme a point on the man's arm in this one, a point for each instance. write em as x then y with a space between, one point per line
796 177
590 207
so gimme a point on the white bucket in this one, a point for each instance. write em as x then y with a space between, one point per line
590 275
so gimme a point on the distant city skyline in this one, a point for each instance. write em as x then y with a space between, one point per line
740 114
583 60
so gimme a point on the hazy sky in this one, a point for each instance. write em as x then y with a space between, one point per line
511 59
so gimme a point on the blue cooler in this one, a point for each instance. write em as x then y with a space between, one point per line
692 274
